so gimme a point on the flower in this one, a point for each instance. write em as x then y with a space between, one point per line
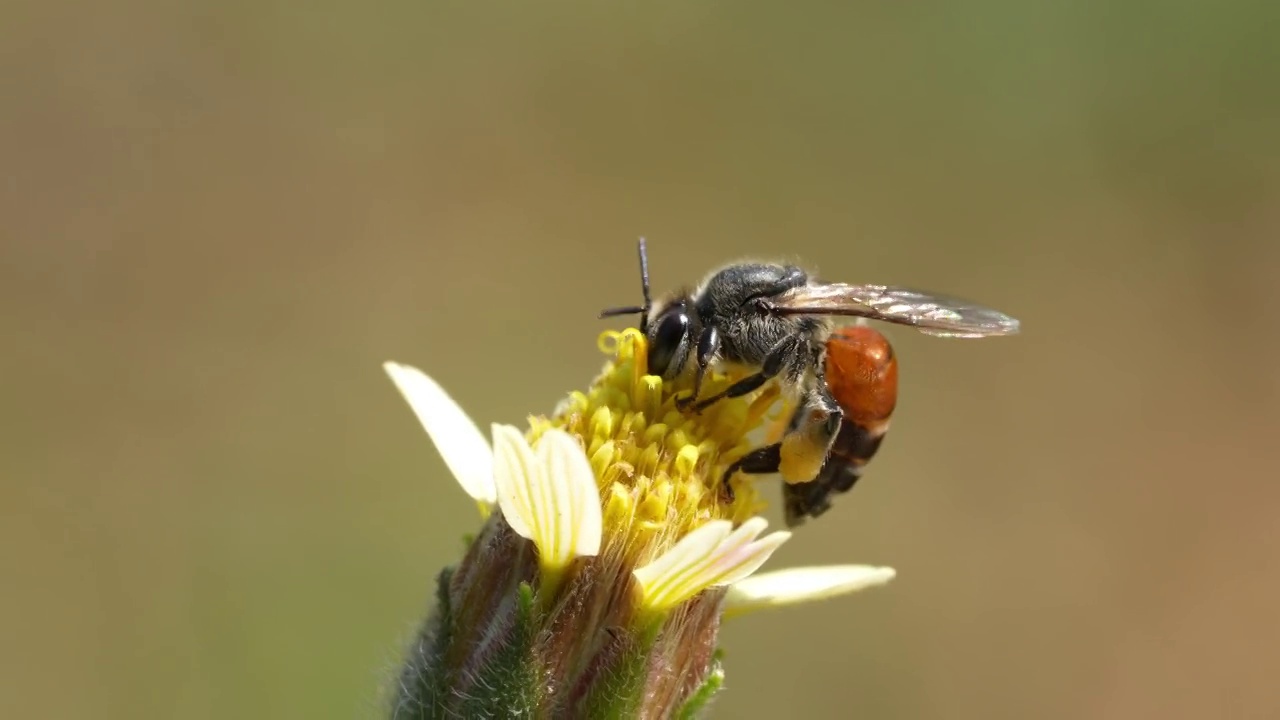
598 587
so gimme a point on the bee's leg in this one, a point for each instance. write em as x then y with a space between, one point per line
807 441
803 501
806 453
803 449
708 346
784 354
761 461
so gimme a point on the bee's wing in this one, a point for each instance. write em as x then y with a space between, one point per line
929 313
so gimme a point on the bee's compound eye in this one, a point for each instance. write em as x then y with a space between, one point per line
667 340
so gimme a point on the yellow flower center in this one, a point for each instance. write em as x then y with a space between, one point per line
659 470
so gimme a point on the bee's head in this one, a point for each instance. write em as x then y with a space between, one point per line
671 327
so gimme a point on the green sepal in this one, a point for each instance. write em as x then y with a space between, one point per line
423 687
697 703
620 690
506 685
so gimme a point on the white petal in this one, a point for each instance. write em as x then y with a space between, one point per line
742 554
711 555
803 584
459 442
548 496
693 547
515 473
574 522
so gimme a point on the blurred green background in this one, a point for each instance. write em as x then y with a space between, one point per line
218 219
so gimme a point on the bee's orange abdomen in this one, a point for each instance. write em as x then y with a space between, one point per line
862 374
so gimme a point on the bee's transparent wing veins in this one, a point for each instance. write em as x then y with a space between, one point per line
930 313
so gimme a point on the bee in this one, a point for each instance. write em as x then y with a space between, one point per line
777 323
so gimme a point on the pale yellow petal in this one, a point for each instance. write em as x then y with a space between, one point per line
572 522
743 557
661 577
712 555
515 473
460 443
802 584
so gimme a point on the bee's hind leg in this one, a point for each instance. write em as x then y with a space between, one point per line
761 461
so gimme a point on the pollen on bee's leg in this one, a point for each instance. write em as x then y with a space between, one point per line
802 458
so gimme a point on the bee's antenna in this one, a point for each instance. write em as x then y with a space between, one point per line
644 276
628 310
643 310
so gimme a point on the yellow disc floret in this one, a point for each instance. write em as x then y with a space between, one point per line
659 470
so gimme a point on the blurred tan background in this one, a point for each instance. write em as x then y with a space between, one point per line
218 219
